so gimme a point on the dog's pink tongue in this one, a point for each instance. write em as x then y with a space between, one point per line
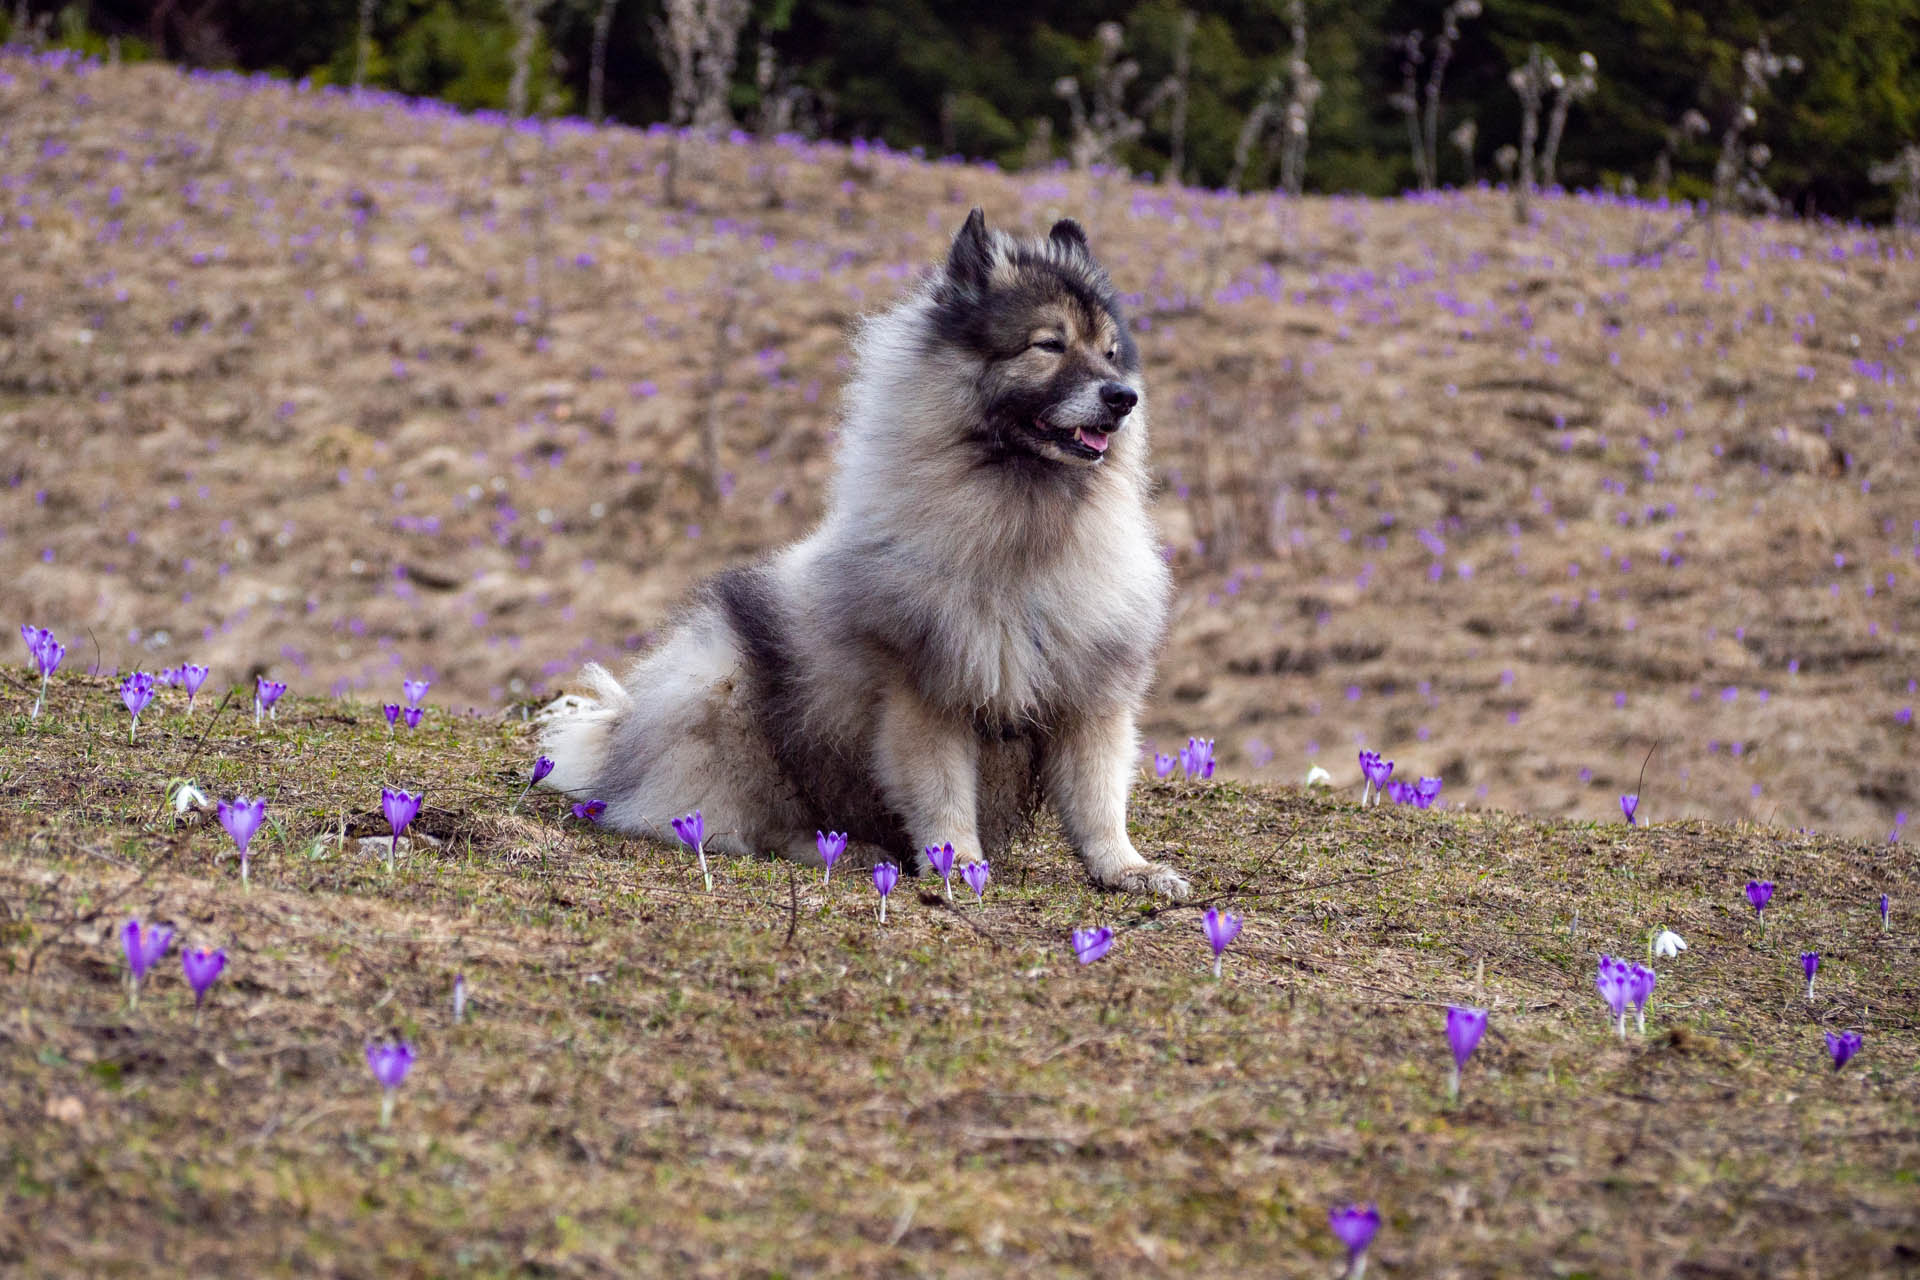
1092 439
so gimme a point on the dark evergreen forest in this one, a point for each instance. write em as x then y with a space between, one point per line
982 80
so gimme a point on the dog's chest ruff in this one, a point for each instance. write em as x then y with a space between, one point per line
1017 651
1006 659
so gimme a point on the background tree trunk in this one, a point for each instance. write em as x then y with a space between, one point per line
526 26
363 43
597 61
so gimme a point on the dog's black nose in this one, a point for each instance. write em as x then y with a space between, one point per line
1119 398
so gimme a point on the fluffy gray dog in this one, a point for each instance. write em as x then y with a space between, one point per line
968 633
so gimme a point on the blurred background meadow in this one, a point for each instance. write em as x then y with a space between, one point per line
1584 466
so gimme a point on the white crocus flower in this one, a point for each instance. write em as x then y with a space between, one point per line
1318 777
1668 943
185 797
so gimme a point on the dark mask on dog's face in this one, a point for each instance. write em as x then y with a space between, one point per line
1059 371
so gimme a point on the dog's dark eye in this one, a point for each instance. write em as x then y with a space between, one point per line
1055 345
1113 353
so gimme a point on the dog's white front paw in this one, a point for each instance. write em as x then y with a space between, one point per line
1153 877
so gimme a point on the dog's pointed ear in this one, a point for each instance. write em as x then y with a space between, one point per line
1070 235
970 261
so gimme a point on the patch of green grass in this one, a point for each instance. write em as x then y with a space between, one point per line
653 1079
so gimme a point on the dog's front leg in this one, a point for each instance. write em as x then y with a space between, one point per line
1089 768
928 765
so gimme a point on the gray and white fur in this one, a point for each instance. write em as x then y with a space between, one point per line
969 632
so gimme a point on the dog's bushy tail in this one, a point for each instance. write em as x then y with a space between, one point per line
574 730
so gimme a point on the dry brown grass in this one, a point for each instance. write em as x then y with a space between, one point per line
209 366
764 1081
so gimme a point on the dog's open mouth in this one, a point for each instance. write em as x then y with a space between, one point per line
1081 442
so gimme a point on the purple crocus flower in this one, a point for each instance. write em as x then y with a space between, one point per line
1425 792
202 968
43 655
976 875
885 876
136 691
831 845
242 817
1163 764
940 856
144 950
414 690
1090 944
1640 984
192 676
391 710
1222 928
589 810
167 677
1197 758
692 831
1629 804
400 808
1465 1026
1842 1047
1378 771
1615 988
1760 893
1401 792
35 637
1810 964
1355 1225
542 766
1886 914
389 1061
412 716
265 693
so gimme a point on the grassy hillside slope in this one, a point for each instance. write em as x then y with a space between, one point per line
764 1080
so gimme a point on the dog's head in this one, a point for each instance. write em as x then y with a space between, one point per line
1054 370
